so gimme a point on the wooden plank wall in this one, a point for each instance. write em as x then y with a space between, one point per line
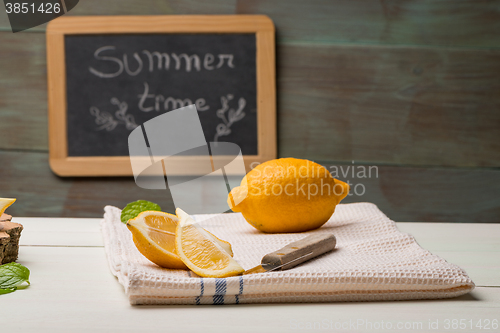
411 86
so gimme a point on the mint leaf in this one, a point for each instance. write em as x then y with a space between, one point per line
12 275
6 291
135 208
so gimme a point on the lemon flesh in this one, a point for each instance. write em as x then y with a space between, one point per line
154 236
5 203
200 252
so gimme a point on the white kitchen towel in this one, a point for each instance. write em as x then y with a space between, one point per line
373 260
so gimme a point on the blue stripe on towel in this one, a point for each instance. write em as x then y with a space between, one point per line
202 290
240 292
220 291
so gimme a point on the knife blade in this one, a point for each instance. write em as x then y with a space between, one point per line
295 253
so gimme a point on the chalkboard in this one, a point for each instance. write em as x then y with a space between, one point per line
117 82
109 75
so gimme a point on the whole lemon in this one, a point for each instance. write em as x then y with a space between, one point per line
287 195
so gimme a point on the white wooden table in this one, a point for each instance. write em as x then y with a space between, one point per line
72 290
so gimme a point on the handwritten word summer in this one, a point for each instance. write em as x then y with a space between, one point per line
157 61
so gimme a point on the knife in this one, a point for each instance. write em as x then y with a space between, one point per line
295 253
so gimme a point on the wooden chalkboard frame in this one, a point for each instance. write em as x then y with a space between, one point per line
262 26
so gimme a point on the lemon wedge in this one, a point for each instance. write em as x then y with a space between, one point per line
5 203
154 236
198 249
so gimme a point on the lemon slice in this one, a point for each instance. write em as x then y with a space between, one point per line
5 203
198 249
154 236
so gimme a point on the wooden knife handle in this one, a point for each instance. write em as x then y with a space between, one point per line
298 252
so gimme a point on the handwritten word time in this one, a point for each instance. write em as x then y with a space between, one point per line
159 99
164 61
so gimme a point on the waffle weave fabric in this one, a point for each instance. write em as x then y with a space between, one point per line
372 261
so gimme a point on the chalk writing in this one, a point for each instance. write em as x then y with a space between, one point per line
163 60
233 116
122 115
107 122
229 116
150 102
116 82
103 119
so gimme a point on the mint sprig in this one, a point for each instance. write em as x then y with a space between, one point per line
135 208
12 276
